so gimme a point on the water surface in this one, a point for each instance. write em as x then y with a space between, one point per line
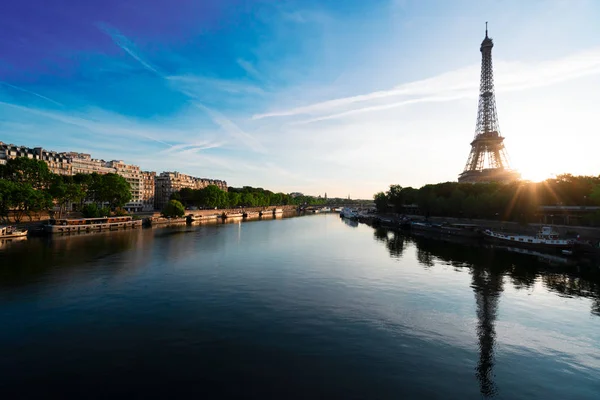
299 307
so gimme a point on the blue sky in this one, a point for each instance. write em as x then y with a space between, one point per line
343 97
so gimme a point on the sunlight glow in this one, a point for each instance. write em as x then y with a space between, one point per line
535 172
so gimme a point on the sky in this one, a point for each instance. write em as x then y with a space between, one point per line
337 97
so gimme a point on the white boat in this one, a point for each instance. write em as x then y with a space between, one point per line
8 232
325 209
545 238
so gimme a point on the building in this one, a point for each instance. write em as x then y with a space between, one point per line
488 160
58 163
83 163
133 176
148 187
168 183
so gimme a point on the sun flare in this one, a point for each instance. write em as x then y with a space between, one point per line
535 173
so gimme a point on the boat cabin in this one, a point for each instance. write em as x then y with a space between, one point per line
547 233
89 221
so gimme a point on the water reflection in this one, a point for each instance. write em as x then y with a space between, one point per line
487 285
488 268
520 268
64 253
394 241
350 222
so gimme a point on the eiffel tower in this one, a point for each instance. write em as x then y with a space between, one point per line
488 161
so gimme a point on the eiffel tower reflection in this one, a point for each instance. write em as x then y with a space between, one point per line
487 286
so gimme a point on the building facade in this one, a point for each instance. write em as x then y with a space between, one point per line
58 163
149 191
168 183
133 176
148 187
83 163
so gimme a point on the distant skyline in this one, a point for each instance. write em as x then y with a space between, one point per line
343 97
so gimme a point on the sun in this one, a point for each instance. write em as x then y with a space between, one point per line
534 172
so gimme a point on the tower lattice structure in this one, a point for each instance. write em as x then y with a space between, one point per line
488 160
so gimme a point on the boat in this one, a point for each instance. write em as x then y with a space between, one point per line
426 227
9 232
69 225
348 213
468 230
325 209
546 238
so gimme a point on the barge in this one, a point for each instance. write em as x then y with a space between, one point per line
69 225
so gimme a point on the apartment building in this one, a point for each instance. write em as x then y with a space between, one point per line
83 163
58 163
148 185
168 183
133 176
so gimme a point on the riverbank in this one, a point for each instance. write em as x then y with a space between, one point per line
585 232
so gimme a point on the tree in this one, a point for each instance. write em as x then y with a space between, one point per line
27 171
381 201
173 208
233 199
595 195
395 197
112 189
65 191
7 191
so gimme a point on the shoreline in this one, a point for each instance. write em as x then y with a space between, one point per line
585 232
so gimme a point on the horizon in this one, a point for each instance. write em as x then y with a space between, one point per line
309 96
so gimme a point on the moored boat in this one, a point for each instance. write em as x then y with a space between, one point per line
9 232
69 225
546 238
348 213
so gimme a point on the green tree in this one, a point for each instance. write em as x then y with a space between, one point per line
34 173
173 208
234 199
112 189
65 191
90 210
7 201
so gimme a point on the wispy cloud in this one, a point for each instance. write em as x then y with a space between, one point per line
119 125
249 68
126 45
31 93
454 85
234 130
200 83
192 147
218 118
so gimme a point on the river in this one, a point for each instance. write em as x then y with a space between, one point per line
306 307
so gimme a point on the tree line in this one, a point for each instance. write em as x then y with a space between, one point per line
214 197
28 187
517 201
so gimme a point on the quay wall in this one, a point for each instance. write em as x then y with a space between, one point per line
229 210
